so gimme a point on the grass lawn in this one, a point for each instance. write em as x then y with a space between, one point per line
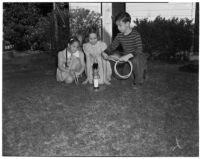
42 117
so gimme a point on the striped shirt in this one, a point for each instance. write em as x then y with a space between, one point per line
130 43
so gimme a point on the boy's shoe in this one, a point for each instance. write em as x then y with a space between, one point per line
140 82
134 87
137 85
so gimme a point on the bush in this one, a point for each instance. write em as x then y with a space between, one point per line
19 20
40 36
165 37
26 28
81 19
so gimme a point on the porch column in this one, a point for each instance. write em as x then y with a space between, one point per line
117 7
107 22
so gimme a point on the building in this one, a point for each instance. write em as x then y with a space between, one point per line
136 10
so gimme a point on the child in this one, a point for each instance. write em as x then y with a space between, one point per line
131 43
70 62
93 50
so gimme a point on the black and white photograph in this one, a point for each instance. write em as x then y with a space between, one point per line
100 79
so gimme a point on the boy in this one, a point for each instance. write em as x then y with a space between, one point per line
131 43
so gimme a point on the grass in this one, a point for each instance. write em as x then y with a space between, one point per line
44 118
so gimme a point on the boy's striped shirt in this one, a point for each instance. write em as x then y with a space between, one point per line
130 43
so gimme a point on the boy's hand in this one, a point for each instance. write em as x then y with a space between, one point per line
126 57
104 55
123 58
113 57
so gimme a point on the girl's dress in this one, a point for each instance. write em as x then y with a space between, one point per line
73 62
94 52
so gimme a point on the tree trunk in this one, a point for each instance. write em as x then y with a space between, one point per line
55 26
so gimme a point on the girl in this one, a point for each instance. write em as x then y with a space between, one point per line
70 62
93 50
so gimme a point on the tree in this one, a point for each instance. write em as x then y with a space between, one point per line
19 20
28 26
81 19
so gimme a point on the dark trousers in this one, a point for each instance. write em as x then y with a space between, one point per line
139 68
139 63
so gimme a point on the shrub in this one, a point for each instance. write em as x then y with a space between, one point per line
81 19
40 36
19 20
166 37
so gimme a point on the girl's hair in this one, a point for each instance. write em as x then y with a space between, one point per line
73 39
93 29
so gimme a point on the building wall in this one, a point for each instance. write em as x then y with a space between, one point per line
166 10
91 6
148 10
138 10
107 22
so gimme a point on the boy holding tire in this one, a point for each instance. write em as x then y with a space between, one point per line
131 42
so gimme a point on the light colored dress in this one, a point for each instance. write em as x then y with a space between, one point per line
94 51
73 61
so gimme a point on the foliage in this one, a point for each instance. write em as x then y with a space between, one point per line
19 20
40 36
81 19
26 26
166 36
